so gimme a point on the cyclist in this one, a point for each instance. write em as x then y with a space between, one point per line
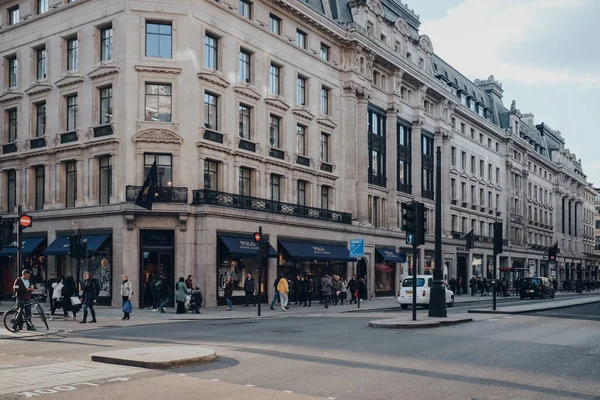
22 289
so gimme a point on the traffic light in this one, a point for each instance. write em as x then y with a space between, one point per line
408 217
497 237
553 252
470 239
420 223
74 248
263 248
6 232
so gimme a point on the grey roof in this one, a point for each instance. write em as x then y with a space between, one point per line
340 10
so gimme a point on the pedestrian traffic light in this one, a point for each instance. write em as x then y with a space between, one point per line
553 252
263 249
408 217
6 232
74 249
498 237
420 223
470 239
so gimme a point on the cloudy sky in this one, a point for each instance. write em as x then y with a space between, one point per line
546 53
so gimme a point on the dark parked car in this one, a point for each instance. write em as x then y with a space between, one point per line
536 287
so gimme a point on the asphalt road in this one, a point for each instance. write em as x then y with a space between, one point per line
588 312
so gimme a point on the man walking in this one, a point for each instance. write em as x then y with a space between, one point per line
283 289
353 287
452 284
276 295
473 285
326 287
22 289
249 290
91 289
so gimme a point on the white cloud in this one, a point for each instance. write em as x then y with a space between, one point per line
478 36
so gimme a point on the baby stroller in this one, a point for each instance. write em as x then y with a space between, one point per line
194 300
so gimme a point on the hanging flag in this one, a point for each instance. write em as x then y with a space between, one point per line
146 195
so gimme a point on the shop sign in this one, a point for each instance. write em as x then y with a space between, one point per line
158 238
357 247
248 245
320 250
462 249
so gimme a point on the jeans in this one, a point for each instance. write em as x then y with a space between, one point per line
27 310
155 301
275 297
92 311
229 304
284 300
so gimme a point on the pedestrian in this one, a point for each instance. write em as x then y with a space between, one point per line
353 287
337 289
126 292
362 289
57 300
249 290
505 287
163 294
197 300
460 286
180 296
22 291
344 292
276 295
473 285
91 289
452 282
69 295
50 285
298 290
283 289
188 283
309 288
228 287
327 288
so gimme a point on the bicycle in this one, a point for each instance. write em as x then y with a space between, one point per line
15 317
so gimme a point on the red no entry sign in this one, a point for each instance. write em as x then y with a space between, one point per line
25 221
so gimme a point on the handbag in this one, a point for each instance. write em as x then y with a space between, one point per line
75 301
127 307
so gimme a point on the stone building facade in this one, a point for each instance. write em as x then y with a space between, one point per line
314 120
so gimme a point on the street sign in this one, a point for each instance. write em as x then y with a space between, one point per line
25 221
357 247
257 237
410 238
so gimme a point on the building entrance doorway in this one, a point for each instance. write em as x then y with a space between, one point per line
157 257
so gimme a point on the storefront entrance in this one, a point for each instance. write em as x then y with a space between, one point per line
385 271
157 256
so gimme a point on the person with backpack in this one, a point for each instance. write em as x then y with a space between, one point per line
91 290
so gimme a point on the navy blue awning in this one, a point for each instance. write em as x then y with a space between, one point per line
244 247
29 245
318 252
95 241
392 255
60 247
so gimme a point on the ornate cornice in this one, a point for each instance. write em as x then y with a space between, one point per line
247 90
37 88
160 70
327 122
277 102
10 96
303 112
356 89
214 79
157 135
69 80
103 70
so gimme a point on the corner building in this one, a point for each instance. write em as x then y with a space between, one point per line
314 120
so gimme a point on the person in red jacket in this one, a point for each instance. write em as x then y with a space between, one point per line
22 289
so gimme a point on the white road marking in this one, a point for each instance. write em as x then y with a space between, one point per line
250 385
39 357
214 380
118 380
288 391
331 398
182 374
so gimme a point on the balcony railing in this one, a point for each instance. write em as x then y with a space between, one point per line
247 145
326 167
276 153
9 148
68 137
303 161
38 143
162 194
212 197
213 136
103 130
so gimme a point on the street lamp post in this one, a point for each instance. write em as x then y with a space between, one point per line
437 306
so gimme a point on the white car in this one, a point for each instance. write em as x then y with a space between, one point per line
424 283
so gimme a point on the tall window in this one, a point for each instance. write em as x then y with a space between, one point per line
159 39
41 56
40 119
211 52
40 190
301 139
301 91
275 185
106 111
11 190
210 111
13 123
301 39
42 6
245 9
245 58
211 175
13 15
106 43
275 24
71 113
244 128
71 183
324 101
404 158
72 54
164 168
427 166
325 52
105 189
325 197
301 190
274 79
245 183
158 102
13 71
324 147
274 130
377 147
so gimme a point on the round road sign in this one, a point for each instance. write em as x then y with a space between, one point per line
25 221
257 237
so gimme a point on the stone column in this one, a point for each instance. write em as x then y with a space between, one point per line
484 268
416 157
362 187
81 174
391 220
117 192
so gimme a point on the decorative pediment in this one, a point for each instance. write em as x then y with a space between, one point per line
302 112
425 44
37 88
68 80
10 96
103 70
158 69
402 26
277 102
157 135
376 7
327 122
247 90
213 78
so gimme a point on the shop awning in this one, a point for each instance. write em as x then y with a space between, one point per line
317 252
60 247
392 255
95 241
244 247
29 245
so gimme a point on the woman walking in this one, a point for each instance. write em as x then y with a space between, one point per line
180 293
228 292
90 296
57 296
126 292
68 291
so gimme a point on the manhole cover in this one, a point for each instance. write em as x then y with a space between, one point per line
287 331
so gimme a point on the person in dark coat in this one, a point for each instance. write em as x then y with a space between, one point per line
473 285
298 290
362 289
353 287
249 290
228 292
69 290
452 282
189 284
309 285
91 288
23 287
327 288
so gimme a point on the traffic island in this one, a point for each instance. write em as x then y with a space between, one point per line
402 323
164 357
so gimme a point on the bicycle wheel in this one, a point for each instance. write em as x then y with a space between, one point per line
43 316
10 322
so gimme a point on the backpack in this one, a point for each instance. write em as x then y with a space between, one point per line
157 286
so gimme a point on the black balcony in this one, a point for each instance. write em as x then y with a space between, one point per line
212 197
457 235
103 130
162 194
68 137
326 167
247 145
9 148
37 143
276 153
473 207
213 136
482 209
303 161
453 202
463 204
